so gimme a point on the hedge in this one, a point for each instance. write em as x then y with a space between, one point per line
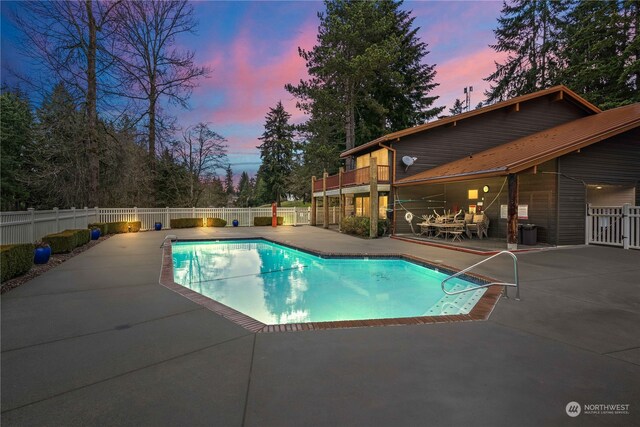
117 227
186 222
266 220
359 226
67 240
15 260
216 222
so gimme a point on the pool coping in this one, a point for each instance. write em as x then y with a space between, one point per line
480 311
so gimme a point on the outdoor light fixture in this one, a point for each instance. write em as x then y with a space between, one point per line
598 187
485 188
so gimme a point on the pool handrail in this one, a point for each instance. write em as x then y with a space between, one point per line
473 288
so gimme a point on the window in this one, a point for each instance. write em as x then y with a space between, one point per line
381 155
473 194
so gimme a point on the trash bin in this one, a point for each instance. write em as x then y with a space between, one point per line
529 234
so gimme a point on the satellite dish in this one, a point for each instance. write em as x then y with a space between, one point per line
408 161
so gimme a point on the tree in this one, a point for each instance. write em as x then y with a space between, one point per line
277 152
201 151
366 70
244 190
458 107
598 37
529 32
150 64
15 136
228 181
67 40
480 105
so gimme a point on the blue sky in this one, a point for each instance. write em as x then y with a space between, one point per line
252 49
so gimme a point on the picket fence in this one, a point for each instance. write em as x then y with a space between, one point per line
614 226
31 225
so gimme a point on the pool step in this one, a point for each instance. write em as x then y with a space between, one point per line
455 304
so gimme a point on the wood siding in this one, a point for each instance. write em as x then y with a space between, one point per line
445 144
612 161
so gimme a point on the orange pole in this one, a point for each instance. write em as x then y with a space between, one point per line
274 215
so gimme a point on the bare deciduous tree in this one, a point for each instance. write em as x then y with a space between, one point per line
201 152
149 65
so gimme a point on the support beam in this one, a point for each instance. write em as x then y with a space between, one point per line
313 202
373 198
341 199
512 225
558 96
325 200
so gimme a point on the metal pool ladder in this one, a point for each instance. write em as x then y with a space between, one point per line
515 272
170 237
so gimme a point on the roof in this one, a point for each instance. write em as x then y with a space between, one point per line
535 149
562 90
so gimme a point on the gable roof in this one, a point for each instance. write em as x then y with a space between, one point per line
535 149
561 90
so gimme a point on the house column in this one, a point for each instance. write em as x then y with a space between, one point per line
341 198
313 202
325 200
512 224
373 198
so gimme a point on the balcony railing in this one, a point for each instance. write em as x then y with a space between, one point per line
353 178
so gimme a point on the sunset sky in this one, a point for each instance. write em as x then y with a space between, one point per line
252 48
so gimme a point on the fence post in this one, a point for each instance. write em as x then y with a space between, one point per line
98 218
250 217
73 210
193 212
626 225
57 219
135 213
295 216
33 224
167 222
86 216
589 225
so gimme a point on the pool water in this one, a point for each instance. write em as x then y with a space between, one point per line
276 284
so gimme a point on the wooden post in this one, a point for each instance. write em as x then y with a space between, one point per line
512 225
373 198
325 201
341 199
314 207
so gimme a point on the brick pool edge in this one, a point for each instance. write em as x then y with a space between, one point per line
480 311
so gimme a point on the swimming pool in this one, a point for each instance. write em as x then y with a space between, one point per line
275 284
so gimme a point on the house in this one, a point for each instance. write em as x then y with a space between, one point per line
538 158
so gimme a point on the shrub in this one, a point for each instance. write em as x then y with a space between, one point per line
266 220
15 260
359 226
62 242
186 222
103 226
216 222
82 236
135 226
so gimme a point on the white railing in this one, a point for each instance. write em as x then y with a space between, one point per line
614 226
334 214
30 226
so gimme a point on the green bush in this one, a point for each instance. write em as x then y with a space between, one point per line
117 227
266 220
359 226
82 236
186 222
216 222
102 226
15 260
62 242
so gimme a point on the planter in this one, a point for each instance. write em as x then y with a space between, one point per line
42 254
235 223
95 234
157 226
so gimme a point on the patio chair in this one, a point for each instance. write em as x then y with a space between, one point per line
456 233
479 226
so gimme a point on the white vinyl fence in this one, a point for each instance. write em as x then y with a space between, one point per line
30 226
613 225
334 212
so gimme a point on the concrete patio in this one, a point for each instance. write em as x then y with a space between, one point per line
97 341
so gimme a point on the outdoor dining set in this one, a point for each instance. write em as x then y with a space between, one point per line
454 226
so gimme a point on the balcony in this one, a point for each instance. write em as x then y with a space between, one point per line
353 178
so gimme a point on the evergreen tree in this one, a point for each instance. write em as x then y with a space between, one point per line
631 52
244 190
458 107
228 181
596 40
529 31
15 136
277 152
480 105
367 72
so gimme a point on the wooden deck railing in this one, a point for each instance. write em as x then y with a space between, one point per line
360 176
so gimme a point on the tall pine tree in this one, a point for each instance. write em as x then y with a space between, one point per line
529 31
277 152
